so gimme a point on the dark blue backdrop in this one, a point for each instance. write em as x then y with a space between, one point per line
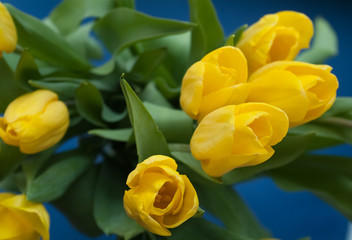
288 215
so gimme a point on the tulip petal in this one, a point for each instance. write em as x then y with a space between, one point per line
218 167
8 34
230 59
282 89
134 177
214 134
189 207
192 89
29 104
134 209
275 37
301 23
44 130
277 118
227 96
33 214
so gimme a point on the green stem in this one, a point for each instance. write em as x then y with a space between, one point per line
338 121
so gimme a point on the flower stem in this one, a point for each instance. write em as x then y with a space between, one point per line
337 121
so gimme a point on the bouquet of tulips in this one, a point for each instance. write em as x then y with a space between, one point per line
140 146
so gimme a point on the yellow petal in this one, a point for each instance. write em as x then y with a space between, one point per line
8 34
44 130
278 119
317 81
301 23
29 104
279 88
134 177
134 209
218 167
189 207
232 58
214 134
33 214
226 96
192 89
275 37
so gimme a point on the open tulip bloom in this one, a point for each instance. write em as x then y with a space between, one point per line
142 144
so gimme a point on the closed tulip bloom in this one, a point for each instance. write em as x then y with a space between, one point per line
238 136
159 197
34 122
8 34
303 90
217 80
21 219
275 37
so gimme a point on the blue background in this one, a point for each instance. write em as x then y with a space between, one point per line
288 215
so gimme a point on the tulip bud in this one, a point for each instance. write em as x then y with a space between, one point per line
21 219
217 80
34 122
8 39
303 90
238 136
274 37
159 197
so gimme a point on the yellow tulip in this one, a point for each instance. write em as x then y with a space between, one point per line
35 121
159 197
8 34
217 80
21 219
274 37
304 91
238 136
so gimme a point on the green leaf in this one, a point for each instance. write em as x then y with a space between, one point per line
69 14
178 51
229 41
324 130
25 70
152 94
125 3
108 208
64 88
123 27
77 203
9 90
121 134
329 177
165 88
52 183
10 158
238 34
89 103
11 59
147 62
176 126
208 34
187 159
84 43
285 152
149 140
46 44
200 229
324 46
200 212
341 105
34 162
224 203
